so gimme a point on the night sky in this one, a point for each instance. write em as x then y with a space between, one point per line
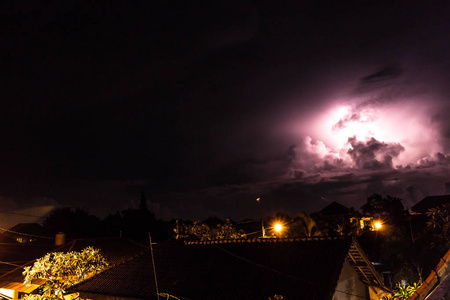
207 105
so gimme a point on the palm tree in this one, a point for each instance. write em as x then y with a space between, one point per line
304 226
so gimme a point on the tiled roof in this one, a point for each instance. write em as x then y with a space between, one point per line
335 209
29 228
243 269
437 285
14 254
115 250
430 202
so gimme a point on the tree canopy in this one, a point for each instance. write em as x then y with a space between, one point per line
203 232
74 223
63 270
386 207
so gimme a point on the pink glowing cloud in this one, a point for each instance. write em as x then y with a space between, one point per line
361 133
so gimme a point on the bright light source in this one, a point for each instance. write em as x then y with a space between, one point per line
377 225
278 227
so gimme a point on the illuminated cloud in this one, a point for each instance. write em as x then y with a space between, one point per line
373 154
382 123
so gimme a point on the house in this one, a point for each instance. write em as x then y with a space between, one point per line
335 209
115 250
295 268
351 220
429 202
26 232
27 215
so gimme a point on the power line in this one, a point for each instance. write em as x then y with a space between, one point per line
20 214
11 264
284 274
26 234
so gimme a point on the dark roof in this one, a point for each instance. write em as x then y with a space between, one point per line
430 202
14 254
335 209
295 269
7 239
29 228
115 250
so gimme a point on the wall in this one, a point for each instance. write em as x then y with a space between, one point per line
349 286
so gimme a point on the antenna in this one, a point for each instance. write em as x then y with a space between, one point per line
153 262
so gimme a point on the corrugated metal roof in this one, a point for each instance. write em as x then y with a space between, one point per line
296 269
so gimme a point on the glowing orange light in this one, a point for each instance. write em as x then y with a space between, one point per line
278 227
377 225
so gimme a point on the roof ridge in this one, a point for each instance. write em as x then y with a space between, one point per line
111 238
111 267
268 240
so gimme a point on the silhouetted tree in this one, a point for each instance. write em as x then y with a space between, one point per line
74 223
389 208
303 226
137 224
143 203
112 225
439 225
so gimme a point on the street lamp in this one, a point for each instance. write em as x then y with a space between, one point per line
278 227
377 225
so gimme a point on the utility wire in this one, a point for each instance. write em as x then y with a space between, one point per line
8 263
20 214
22 244
26 234
154 268
284 274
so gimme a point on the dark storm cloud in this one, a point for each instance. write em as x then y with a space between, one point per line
401 64
309 193
389 72
198 104
309 156
349 118
380 79
373 154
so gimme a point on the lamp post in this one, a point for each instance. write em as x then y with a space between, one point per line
262 219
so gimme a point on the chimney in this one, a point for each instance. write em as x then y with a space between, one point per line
60 239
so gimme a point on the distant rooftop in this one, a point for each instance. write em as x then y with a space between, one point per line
335 209
430 202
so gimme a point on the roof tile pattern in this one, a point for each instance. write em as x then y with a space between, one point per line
300 269
115 250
